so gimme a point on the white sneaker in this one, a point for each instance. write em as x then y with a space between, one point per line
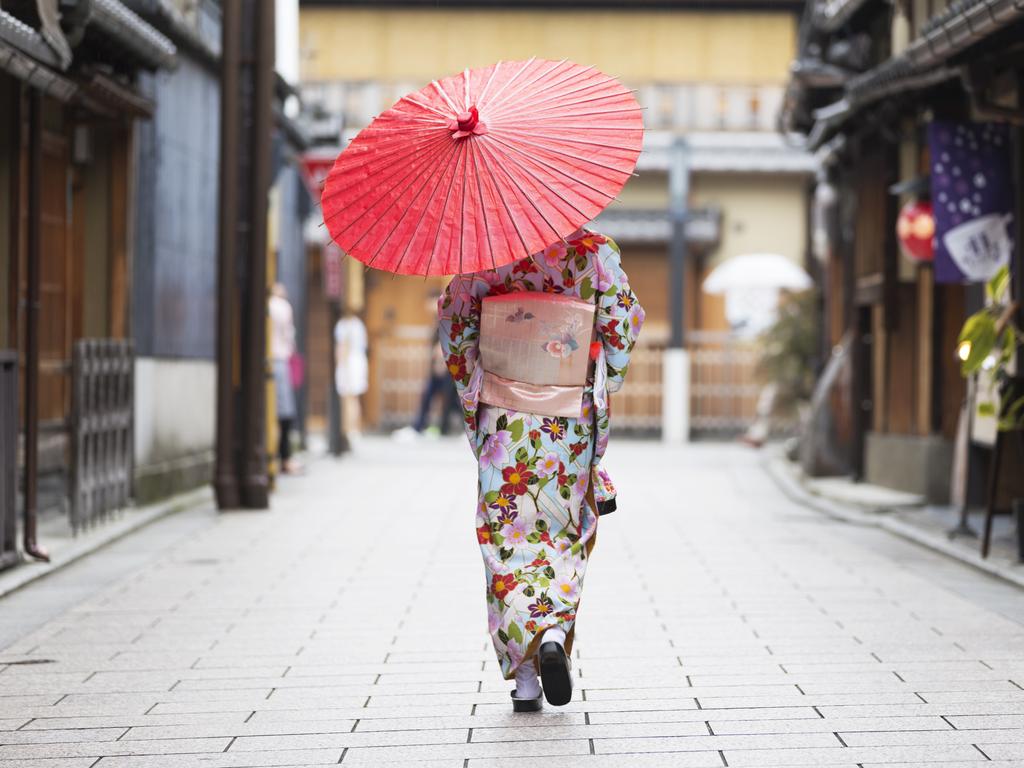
405 435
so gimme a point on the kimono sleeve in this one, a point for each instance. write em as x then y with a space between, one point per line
458 312
619 314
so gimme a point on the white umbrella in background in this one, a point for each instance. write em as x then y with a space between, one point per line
757 270
751 285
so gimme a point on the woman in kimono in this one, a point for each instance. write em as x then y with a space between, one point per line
536 514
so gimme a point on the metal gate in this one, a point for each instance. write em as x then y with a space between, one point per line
103 394
8 458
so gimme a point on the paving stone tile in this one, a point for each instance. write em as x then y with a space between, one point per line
310 757
779 741
101 748
376 755
917 755
350 739
675 760
61 736
923 737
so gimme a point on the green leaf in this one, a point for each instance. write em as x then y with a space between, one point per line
533 480
544 583
542 525
505 554
529 591
490 497
533 538
522 455
586 289
581 260
549 572
998 286
564 492
502 636
980 332
502 422
517 430
986 409
515 632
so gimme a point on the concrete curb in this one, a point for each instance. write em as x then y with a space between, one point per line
123 524
788 479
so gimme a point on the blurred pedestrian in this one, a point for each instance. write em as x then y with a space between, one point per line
282 351
438 386
351 369
534 349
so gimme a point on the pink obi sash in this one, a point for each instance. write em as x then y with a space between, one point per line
534 351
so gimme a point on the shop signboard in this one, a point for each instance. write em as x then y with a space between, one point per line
972 199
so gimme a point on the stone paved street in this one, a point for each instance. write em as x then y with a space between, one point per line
722 626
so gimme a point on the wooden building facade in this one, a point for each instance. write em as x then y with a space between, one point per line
870 80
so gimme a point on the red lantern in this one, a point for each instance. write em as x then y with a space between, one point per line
915 229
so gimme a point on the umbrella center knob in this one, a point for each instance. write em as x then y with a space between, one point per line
467 123
467 120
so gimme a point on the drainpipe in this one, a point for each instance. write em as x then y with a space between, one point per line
34 256
226 473
675 408
255 481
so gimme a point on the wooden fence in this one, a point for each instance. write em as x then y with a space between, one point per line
724 385
102 409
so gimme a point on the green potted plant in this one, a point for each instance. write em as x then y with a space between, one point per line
987 347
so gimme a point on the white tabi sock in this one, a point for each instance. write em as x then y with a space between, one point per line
554 635
527 684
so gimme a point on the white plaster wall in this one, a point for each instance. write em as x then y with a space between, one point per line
175 408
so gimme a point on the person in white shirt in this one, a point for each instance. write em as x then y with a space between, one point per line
352 369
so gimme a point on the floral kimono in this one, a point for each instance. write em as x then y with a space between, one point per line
535 519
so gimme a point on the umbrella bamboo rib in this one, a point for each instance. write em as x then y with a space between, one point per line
529 198
487 85
490 246
497 138
413 173
512 79
423 105
441 215
411 169
511 216
401 219
542 182
521 88
444 95
552 97
615 104
506 130
560 107
399 154
566 174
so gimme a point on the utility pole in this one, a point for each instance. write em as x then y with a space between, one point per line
675 411
247 87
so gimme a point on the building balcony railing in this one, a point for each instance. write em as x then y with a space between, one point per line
675 106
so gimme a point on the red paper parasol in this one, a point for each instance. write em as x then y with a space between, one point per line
483 168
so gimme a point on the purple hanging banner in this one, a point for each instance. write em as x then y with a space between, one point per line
972 199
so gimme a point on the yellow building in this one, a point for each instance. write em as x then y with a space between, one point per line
714 77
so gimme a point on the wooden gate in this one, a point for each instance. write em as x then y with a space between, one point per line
103 396
724 385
